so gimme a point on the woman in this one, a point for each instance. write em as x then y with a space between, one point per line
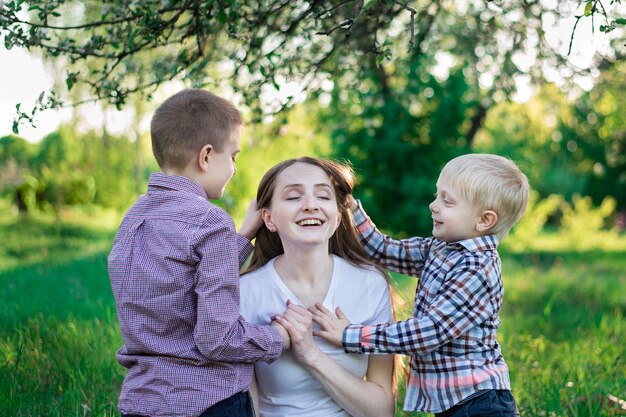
307 253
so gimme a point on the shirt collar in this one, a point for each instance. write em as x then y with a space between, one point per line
176 183
476 244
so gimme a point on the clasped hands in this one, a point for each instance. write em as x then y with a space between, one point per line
298 323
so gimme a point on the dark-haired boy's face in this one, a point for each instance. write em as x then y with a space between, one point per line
222 167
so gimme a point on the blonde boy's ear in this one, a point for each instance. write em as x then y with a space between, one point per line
204 156
487 220
267 219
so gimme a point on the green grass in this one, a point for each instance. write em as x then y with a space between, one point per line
563 332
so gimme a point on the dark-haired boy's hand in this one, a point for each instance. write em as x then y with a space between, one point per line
252 221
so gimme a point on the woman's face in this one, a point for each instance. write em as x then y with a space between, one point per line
304 206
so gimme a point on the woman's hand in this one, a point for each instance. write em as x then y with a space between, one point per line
298 322
332 326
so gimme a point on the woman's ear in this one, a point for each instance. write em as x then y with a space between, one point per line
487 220
204 156
266 215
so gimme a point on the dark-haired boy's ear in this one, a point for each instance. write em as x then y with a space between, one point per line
487 220
204 156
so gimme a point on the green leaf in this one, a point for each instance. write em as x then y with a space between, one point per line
71 80
620 21
589 8
369 4
221 16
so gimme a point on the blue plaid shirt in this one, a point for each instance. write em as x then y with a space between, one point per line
451 337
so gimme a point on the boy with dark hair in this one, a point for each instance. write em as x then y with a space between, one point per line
174 270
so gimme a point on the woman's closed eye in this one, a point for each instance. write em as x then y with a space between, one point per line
292 196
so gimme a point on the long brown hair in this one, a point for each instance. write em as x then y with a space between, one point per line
343 243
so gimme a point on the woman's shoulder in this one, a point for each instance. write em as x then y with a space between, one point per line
257 276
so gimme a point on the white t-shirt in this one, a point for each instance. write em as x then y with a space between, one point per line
286 389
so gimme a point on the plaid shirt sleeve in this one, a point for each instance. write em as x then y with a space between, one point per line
463 302
405 256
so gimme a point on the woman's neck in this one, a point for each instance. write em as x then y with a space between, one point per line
307 273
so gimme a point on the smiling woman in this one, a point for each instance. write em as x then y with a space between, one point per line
307 253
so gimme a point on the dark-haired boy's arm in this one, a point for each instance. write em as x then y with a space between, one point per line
244 248
221 333
406 256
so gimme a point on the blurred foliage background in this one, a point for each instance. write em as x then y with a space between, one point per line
394 88
569 147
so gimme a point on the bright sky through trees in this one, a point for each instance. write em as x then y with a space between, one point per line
23 78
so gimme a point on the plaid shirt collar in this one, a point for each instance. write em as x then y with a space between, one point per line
476 244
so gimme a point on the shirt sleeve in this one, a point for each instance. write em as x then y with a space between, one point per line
221 333
405 256
244 248
464 301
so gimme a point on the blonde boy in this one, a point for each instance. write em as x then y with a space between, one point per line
174 270
457 368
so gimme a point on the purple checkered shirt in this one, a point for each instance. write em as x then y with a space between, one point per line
451 337
174 270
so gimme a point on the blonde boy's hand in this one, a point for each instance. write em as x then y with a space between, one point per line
332 326
352 202
252 221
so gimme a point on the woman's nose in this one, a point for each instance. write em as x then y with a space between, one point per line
310 204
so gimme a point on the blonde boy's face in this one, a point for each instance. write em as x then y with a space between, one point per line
454 218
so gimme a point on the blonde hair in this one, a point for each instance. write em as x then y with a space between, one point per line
490 182
188 121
